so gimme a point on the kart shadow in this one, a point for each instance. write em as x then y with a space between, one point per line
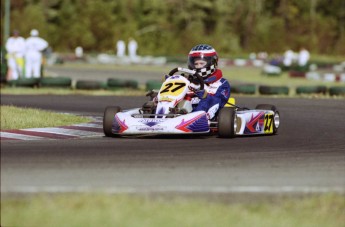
186 136
167 136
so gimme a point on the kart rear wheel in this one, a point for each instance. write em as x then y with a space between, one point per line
226 122
276 117
108 119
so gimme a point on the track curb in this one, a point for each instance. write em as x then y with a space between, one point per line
82 130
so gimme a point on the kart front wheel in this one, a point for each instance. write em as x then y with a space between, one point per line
226 122
108 119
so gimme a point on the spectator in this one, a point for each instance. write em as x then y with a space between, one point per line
79 52
289 57
15 47
121 48
132 49
33 57
303 57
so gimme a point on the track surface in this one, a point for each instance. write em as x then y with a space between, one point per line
307 155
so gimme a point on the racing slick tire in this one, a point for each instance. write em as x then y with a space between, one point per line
108 119
226 122
276 116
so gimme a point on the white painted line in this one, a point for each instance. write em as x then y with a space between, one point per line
63 131
115 190
20 136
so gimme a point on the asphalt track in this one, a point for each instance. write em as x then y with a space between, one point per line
308 154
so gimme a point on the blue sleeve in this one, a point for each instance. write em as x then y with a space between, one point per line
223 92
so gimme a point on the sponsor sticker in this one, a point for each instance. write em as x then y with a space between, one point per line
150 129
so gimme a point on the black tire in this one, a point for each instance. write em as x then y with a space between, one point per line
276 117
88 85
273 90
226 122
116 83
108 119
153 85
132 84
26 82
56 82
311 89
337 90
243 89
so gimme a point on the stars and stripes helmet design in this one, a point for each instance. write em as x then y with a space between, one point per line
206 53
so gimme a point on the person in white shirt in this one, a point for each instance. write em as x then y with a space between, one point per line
33 56
15 47
121 48
132 49
303 57
289 57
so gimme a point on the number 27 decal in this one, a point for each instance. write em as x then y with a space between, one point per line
268 124
173 87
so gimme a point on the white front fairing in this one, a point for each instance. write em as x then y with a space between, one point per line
126 123
172 93
251 122
173 90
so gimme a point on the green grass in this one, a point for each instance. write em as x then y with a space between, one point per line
20 118
139 210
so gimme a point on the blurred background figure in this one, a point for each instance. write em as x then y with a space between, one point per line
132 49
121 48
33 56
15 47
79 52
303 57
289 57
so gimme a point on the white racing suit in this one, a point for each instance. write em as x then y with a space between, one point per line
33 56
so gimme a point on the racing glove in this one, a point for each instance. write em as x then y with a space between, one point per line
201 94
194 87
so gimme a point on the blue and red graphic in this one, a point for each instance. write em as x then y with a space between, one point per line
255 124
196 124
119 126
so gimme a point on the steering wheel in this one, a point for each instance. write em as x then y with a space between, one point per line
193 76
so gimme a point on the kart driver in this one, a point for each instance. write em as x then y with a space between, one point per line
203 59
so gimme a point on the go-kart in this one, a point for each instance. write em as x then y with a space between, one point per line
170 111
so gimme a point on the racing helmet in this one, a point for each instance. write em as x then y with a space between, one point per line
204 53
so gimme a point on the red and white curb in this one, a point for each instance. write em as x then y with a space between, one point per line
93 129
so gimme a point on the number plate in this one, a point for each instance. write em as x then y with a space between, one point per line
268 123
172 88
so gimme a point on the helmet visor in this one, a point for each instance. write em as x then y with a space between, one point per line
199 62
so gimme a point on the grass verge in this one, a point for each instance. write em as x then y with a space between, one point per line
19 118
91 209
